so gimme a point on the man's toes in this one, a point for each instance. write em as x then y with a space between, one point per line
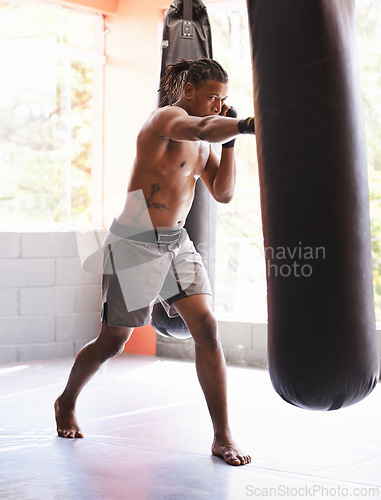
246 459
232 459
236 459
69 434
65 433
242 459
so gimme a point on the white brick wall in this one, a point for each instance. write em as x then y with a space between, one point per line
243 344
49 306
10 245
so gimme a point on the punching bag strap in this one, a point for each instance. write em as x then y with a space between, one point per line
187 10
187 24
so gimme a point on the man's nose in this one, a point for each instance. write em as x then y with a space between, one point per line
217 107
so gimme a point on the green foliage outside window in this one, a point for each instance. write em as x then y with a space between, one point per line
46 114
240 274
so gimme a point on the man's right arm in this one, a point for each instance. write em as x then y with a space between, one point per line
175 123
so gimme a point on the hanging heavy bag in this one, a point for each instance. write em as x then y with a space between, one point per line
322 348
187 34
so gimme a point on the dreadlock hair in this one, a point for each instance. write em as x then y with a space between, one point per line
184 71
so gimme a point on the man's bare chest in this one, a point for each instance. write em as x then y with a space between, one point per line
190 157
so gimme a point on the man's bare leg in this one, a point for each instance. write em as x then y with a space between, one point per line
197 313
109 343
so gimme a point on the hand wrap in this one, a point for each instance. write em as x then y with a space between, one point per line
247 126
232 112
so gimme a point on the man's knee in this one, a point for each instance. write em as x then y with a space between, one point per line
112 340
205 331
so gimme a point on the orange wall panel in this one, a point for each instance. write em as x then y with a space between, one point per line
101 6
142 341
131 82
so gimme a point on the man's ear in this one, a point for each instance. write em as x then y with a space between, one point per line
189 91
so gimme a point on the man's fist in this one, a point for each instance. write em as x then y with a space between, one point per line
232 113
228 111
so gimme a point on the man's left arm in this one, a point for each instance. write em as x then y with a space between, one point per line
219 175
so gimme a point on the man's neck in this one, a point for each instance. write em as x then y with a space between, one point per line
184 103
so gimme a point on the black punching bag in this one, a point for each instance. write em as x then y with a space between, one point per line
322 345
187 34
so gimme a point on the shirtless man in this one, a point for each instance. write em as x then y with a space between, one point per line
173 151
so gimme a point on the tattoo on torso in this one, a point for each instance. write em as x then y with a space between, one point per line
147 202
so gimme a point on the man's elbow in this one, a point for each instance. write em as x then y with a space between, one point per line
224 198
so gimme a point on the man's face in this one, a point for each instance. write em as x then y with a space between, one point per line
209 98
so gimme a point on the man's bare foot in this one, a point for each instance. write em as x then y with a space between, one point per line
229 451
67 425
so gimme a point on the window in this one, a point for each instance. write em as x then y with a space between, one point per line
240 287
369 43
240 268
50 115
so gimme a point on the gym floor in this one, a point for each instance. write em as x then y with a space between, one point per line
148 435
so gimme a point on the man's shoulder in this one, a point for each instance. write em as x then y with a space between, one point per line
161 118
168 112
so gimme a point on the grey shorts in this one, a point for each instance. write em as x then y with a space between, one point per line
142 269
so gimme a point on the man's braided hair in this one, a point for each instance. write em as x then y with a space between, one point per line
184 71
